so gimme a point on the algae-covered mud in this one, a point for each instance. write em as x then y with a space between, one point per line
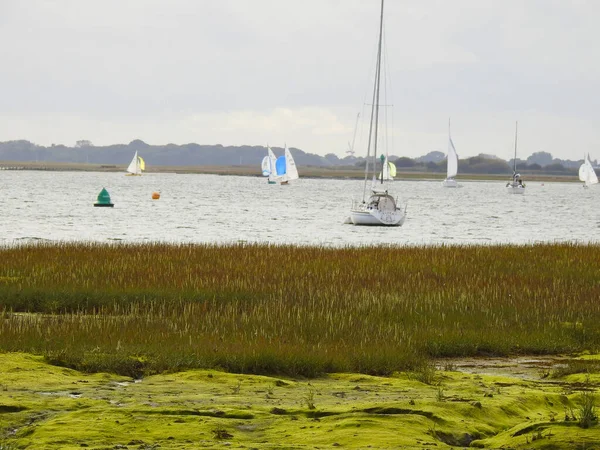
505 403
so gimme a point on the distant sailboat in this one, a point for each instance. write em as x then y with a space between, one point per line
516 186
136 166
269 166
381 208
587 174
452 159
286 168
388 170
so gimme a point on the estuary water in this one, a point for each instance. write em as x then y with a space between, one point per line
193 208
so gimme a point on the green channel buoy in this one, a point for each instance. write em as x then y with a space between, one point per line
104 199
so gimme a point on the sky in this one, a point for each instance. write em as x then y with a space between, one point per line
258 72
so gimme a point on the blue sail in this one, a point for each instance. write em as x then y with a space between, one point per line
280 165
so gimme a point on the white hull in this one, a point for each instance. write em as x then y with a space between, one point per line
450 183
378 218
371 214
515 189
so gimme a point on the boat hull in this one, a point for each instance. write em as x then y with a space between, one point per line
515 189
449 183
378 218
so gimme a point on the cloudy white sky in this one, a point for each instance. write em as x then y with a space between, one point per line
236 72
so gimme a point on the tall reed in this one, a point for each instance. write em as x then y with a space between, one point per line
294 310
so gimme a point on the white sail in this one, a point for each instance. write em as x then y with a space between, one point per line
266 166
452 160
587 174
592 177
135 165
291 172
272 161
583 172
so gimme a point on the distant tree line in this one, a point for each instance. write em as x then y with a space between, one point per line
481 165
485 164
83 151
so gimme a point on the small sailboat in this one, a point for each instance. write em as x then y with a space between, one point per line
452 159
388 170
268 166
136 166
587 174
286 168
380 208
516 185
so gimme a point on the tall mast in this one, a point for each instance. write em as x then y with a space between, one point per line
378 84
515 158
374 108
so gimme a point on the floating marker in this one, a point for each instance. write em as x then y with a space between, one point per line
155 195
104 199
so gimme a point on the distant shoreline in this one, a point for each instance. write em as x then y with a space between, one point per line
252 170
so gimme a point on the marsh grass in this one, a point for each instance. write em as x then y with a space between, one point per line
576 366
439 395
424 372
309 398
587 410
144 308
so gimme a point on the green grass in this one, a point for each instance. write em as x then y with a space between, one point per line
149 308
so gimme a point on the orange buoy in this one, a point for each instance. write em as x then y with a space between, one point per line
155 196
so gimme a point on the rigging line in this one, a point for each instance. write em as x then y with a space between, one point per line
385 93
390 105
378 90
389 88
365 103
374 110
515 159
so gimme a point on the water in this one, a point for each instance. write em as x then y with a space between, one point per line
58 206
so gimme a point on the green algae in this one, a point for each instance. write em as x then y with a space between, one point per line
44 406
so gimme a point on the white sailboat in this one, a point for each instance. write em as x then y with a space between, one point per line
452 160
380 208
388 170
136 166
268 166
290 172
516 185
587 174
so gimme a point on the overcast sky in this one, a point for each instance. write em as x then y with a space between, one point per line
253 72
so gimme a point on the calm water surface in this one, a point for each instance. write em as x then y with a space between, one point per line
58 206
